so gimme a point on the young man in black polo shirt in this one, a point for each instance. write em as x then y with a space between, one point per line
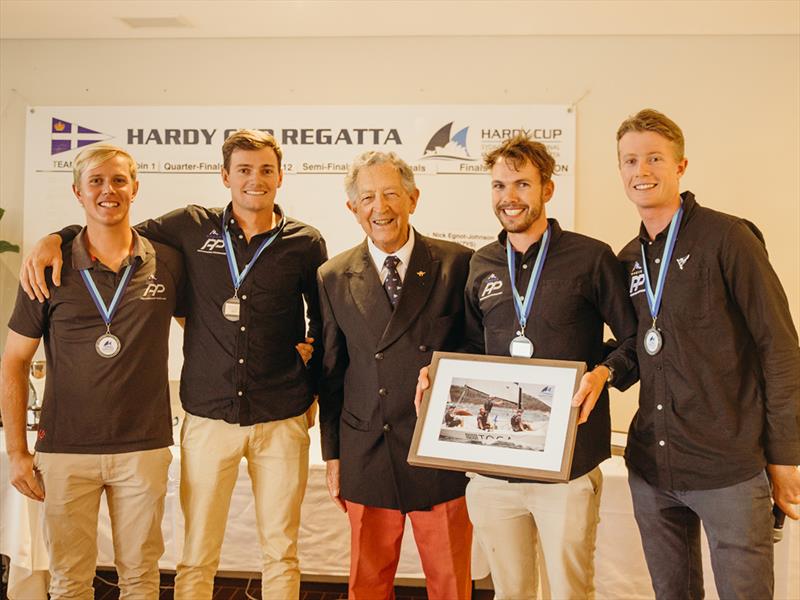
580 287
719 363
245 386
105 421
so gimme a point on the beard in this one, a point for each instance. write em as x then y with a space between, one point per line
524 221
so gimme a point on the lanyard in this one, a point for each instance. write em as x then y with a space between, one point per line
654 298
107 312
523 309
236 276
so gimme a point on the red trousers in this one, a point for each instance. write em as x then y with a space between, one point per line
444 541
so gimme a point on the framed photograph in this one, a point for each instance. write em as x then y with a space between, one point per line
498 415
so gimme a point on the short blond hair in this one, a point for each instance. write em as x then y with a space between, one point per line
518 150
249 139
95 155
649 119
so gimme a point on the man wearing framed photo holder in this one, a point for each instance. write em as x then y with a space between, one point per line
543 292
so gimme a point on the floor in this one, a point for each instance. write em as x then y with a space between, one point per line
242 589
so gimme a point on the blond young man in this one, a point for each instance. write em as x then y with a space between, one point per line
245 385
105 424
720 394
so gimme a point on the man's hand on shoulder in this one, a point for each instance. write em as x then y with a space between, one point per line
786 488
23 476
46 253
332 478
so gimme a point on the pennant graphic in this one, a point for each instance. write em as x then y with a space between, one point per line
66 136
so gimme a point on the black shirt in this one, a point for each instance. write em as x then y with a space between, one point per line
582 286
248 371
721 397
96 405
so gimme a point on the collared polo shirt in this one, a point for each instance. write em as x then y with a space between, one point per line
582 286
722 397
247 371
96 405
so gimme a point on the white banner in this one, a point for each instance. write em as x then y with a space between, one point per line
179 153
178 150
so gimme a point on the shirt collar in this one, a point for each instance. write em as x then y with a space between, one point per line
689 204
555 233
82 259
229 222
404 253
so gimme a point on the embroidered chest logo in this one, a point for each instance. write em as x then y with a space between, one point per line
637 280
213 244
493 286
682 261
154 290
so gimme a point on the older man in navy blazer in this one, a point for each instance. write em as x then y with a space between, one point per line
387 304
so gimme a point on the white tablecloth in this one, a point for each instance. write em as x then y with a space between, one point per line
620 570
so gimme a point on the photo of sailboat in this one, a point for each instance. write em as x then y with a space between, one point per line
497 413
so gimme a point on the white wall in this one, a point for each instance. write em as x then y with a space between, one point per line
737 99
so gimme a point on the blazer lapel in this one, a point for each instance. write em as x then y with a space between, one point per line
368 294
417 287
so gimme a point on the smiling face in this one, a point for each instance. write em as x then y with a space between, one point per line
650 170
253 177
518 196
106 192
382 206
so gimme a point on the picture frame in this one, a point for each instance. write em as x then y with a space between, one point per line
497 415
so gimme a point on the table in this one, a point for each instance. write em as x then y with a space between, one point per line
324 537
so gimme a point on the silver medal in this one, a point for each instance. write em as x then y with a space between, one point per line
653 341
521 347
108 345
231 309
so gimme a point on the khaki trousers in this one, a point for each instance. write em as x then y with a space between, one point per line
277 462
135 484
510 518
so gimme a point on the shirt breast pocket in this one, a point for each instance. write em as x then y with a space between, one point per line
692 294
560 302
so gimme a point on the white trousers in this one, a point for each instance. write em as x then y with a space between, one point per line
553 524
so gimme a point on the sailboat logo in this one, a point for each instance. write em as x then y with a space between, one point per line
443 145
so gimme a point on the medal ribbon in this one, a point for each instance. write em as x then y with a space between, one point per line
524 308
236 276
654 298
107 312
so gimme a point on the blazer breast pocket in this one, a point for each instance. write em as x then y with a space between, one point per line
353 421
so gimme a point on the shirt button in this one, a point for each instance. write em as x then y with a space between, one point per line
387 428
382 392
524 266
241 361
423 348
242 328
241 236
661 443
649 243
244 296
658 260
239 393
659 406
379 356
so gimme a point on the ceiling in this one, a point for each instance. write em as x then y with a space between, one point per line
80 19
